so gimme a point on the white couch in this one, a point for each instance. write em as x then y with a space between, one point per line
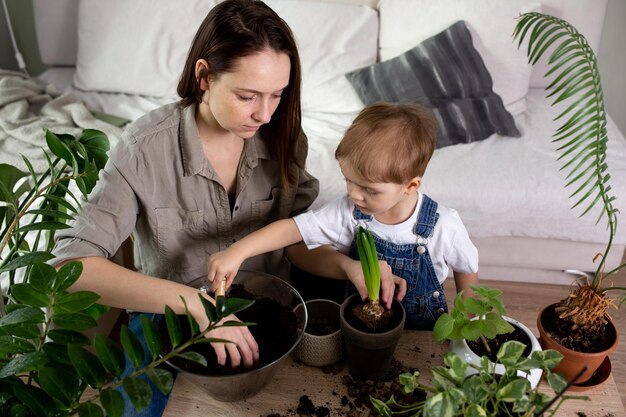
128 54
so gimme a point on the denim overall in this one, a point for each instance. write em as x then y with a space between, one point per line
424 301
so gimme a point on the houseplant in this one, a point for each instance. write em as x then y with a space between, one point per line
370 331
484 393
477 327
581 321
45 367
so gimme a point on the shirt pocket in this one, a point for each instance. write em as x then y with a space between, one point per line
182 239
265 211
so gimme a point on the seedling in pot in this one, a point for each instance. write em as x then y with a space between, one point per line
478 317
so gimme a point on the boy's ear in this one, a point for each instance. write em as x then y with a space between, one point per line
413 185
202 74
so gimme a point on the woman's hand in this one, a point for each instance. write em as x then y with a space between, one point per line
242 349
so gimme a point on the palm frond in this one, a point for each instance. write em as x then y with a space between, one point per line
582 134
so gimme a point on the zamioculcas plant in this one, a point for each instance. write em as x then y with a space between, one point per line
582 145
45 366
371 272
474 318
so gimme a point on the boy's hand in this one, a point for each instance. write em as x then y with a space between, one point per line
388 283
223 266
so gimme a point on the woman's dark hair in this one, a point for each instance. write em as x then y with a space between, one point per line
237 28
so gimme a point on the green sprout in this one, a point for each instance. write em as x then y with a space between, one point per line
371 270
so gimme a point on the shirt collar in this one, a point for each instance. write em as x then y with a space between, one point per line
194 161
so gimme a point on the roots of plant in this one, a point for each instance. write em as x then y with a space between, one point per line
586 308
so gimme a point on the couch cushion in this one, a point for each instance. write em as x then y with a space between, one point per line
447 74
405 23
140 46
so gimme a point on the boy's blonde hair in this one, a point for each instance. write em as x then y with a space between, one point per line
389 142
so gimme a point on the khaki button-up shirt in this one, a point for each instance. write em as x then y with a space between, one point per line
159 186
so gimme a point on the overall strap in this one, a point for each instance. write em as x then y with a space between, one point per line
426 218
359 215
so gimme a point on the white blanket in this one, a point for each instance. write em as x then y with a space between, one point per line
27 107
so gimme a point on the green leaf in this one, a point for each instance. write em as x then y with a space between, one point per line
25 315
510 352
60 384
57 352
132 346
76 301
443 327
473 330
163 379
556 381
513 391
65 337
209 309
35 399
440 405
13 345
233 305
408 381
193 357
475 410
110 355
193 324
48 225
27 362
87 365
26 259
9 176
549 358
27 294
62 202
173 325
51 213
138 391
113 402
474 306
89 410
67 275
97 145
42 277
74 321
58 148
151 336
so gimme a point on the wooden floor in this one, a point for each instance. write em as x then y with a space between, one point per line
523 302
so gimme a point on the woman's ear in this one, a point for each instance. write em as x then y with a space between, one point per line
202 74
413 185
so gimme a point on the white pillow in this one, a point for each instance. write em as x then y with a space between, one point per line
140 46
333 39
135 46
405 23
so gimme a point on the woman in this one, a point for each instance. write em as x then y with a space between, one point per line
191 177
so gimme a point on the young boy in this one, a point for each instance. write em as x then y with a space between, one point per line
383 156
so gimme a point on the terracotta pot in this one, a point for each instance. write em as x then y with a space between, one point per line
573 361
461 348
370 354
320 350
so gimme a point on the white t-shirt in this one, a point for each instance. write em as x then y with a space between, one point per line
449 246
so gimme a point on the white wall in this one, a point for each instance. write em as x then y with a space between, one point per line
612 62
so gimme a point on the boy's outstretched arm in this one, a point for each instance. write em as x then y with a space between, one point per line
224 265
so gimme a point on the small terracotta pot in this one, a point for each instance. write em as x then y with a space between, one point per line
370 355
320 350
573 361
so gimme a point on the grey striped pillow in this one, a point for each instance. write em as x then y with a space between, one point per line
448 75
